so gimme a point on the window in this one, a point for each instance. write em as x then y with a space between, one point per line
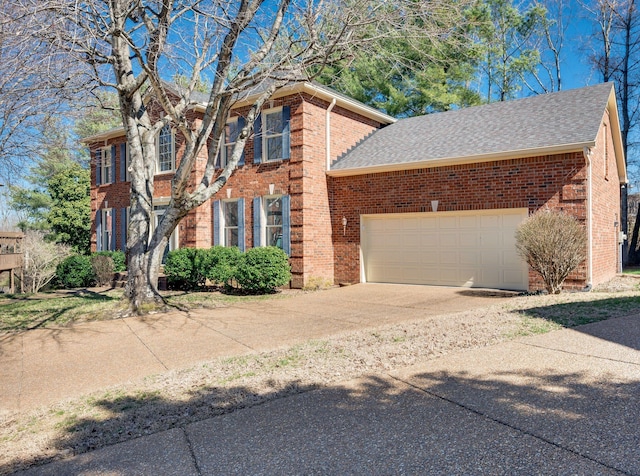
105 230
158 212
229 138
271 222
166 155
272 135
106 165
124 163
228 222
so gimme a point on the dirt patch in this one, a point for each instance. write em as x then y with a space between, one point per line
177 398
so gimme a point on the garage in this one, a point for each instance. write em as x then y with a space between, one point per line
470 248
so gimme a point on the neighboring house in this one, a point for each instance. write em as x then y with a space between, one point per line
427 200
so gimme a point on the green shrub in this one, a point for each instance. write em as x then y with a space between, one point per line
218 264
103 267
181 269
118 257
75 272
262 270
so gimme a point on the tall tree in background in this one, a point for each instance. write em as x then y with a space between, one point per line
505 34
617 57
236 47
409 76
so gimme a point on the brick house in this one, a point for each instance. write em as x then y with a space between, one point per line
353 195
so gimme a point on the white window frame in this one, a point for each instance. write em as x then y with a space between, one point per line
264 228
106 231
224 154
158 211
223 222
266 136
159 171
106 172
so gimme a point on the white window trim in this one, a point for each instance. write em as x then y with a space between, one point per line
173 154
263 218
106 165
225 144
106 231
265 137
223 222
174 241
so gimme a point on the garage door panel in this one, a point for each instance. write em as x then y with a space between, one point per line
475 248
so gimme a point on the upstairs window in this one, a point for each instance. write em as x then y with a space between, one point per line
105 165
272 140
166 152
229 138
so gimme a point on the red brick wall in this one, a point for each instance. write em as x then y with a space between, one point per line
606 206
532 183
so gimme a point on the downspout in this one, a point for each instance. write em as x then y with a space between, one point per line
327 133
587 156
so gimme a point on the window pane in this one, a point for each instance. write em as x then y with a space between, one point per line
274 123
274 148
274 236
231 237
231 213
231 132
165 149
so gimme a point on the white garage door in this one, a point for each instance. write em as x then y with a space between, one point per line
473 249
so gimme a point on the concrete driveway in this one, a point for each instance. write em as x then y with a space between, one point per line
44 366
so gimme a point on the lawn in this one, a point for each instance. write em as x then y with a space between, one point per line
63 308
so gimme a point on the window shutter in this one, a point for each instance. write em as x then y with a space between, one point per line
257 140
286 132
241 224
286 224
99 230
123 229
98 167
123 162
113 230
113 165
241 124
257 213
217 229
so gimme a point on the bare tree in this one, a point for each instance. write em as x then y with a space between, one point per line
41 257
237 47
36 83
617 57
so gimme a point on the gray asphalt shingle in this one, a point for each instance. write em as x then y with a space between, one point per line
549 120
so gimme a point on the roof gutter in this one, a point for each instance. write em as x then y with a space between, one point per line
471 159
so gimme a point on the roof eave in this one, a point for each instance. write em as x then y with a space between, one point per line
322 93
104 136
616 134
472 159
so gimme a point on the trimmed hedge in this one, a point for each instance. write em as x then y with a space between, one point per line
259 270
262 270
76 271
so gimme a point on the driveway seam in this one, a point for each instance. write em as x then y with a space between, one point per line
509 425
599 357
204 324
145 345
191 452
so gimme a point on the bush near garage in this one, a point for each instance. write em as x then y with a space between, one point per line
553 244
262 270
75 272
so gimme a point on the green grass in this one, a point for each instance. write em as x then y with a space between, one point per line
22 312
579 313
633 271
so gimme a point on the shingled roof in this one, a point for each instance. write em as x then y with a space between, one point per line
545 124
